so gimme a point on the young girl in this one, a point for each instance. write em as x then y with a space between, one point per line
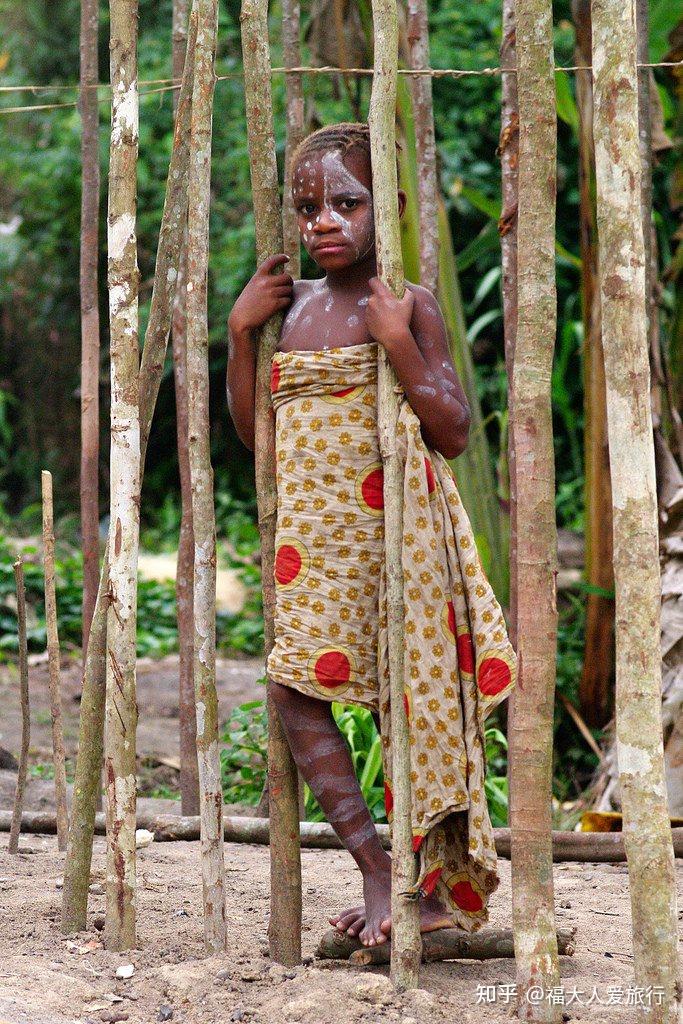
330 618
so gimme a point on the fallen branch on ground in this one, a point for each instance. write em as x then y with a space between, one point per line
444 944
596 847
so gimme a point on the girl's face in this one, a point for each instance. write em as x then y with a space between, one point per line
333 200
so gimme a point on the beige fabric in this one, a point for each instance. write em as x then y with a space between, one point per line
330 618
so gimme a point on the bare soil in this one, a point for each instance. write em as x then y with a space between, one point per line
49 978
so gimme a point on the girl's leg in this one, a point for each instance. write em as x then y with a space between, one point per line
324 760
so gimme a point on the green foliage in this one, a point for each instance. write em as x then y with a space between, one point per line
244 759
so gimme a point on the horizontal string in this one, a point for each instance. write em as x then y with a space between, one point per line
168 84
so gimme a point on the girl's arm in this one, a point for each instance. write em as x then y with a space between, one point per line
413 332
265 294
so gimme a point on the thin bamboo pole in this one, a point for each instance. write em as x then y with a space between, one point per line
203 516
406 944
284 927
640 753
187 718
291 51
90 315
90 736
120 712
53 660
595 689
15 827
427 185
530 719
508 149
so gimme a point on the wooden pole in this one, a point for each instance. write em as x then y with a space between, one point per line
53 660
15 827
530 718
405 920
291 49
90 315
595 686
284 927
90 736
508 149
187 719
203 516
425 144
636 564
123 278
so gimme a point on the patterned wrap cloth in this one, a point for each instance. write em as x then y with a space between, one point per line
330 618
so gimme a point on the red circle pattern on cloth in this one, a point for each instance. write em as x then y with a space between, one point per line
330 615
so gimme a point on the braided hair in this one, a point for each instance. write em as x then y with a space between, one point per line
343 137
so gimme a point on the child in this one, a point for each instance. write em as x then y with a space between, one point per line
330 618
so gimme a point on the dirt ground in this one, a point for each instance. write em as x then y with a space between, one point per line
49 978
157 734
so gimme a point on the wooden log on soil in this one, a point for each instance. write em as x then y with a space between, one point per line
405 916
284 927
53 660
201 473
444 944
15 820
90 735
582 847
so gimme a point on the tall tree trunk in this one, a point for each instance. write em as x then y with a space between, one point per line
90 734
508 149
203 516
187 719
530 719
406 944
291 47
427 185
595 690
647 829
53 660
284 927
15 827
90 316
123 278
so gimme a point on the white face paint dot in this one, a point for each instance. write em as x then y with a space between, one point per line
352 321
309 226
364 301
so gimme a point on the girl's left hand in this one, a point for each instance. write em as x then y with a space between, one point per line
386 317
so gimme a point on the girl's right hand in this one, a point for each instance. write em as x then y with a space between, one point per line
265 294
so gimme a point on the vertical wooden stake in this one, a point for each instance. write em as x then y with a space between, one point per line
508 149
595 686
406 943
284 927
15 827
123 279
530 717
90 316
184 582
640 756
427 185
53 659
90 733
203 516
291 48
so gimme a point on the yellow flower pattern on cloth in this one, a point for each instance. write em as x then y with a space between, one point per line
330 616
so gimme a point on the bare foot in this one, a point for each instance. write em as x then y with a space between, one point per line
433 915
